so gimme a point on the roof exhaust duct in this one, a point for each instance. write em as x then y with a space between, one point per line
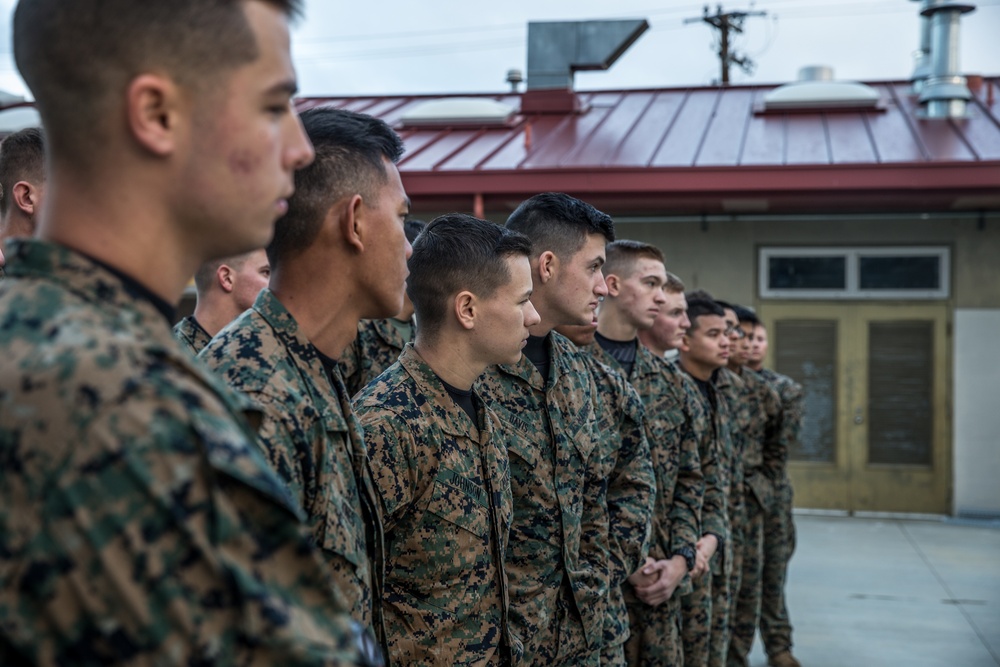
922 58
559 49
945 93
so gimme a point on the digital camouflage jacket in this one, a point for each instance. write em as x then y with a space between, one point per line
445 487
792 399
631 487
756 412
312 439
191 335
560 505
673 443
139 522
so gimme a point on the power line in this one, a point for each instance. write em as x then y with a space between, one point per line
726 23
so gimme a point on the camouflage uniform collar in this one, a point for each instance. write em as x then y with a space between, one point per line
450 418
645 362
389 334
727 378
90 279
92 282
561 350
284 325
327 390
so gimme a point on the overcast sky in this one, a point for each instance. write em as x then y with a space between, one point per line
436 46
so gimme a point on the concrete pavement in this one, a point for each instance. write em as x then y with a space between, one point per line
893 592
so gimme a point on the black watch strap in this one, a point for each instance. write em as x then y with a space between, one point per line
688 554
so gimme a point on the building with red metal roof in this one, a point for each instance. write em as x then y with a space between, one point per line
863 229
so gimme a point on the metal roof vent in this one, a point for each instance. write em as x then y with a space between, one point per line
559 49
476 111
945 93
922 57
816 90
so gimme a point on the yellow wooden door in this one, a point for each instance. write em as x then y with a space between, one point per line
876 375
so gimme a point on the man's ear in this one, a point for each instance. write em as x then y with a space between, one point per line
351 217
685 345
465 309
548 266
226 277
614 284
154 105
26 197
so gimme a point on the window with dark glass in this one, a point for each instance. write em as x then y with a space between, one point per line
900 272
806 272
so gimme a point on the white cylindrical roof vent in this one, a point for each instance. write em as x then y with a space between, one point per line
816 73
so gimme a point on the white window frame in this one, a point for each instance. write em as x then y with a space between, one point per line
852 267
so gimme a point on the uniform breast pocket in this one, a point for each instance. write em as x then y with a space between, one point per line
457 507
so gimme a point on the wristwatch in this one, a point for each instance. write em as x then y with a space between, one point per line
688 554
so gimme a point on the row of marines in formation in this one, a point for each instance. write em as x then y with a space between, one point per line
682 476
501 494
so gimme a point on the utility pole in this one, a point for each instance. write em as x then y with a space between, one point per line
726 23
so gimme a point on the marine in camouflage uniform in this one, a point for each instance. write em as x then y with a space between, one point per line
445 486
655 631
191 335
730 389
312 439
558 560
779 526
756 411
705 626
631 496
378 346
712 435
139 522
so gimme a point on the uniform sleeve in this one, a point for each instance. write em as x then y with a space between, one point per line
391 451
713 508
792 406
685 510
775 453
631 487
162 539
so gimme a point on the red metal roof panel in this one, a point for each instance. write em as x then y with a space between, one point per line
686 149
680 149
726 129
640 143
806 139
850 142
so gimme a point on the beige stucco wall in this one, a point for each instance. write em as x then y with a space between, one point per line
721 256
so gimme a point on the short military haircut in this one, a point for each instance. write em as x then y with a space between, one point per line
79 56
746 315
674 285
700 294
699 306
559 223
204 278
350 149
412 228
622 256
455 253
22 158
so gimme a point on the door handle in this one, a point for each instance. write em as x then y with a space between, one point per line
859 417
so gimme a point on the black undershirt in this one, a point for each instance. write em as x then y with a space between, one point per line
329 364
621 351
137 290
465 399
537 352
703 387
